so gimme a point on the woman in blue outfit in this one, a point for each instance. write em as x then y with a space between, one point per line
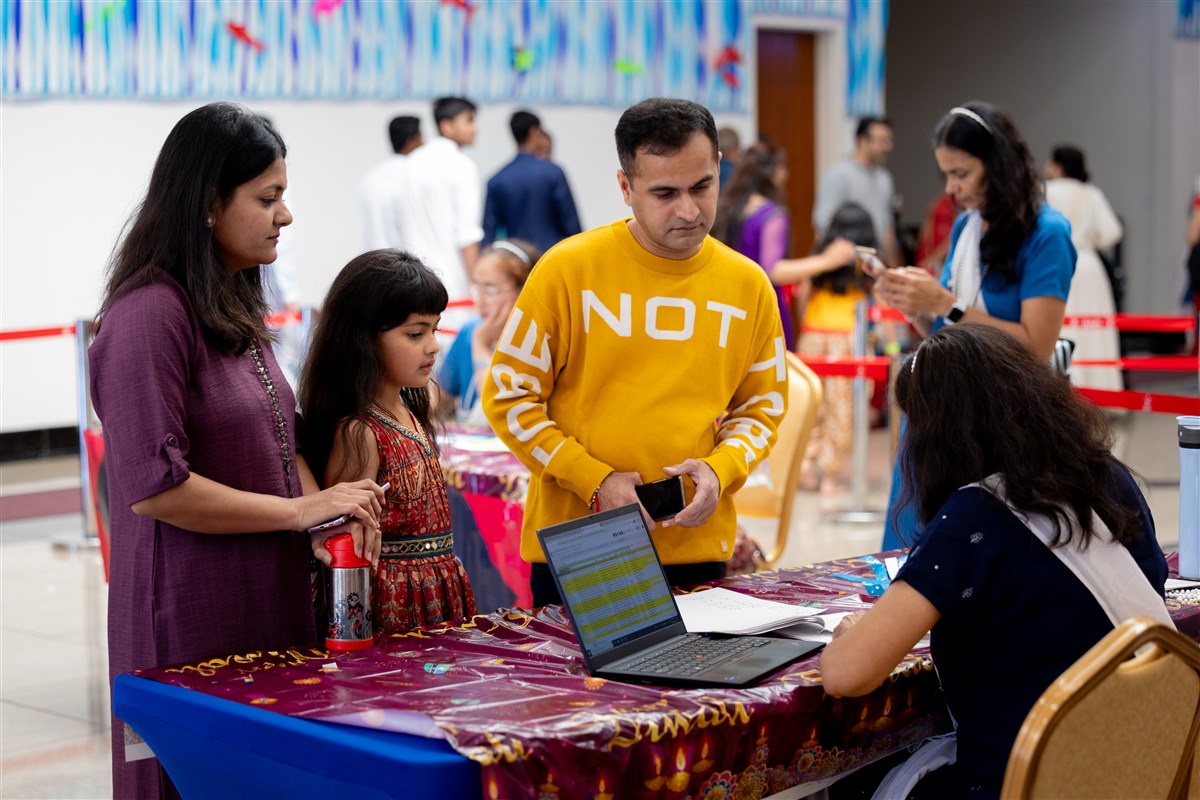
1012 475
1010 261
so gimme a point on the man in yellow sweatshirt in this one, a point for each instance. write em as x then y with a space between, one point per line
643 349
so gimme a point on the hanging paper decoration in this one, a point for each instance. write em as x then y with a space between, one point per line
325 7
727 64
106 11
522 59
463 4
242 35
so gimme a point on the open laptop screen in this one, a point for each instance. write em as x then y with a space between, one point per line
610 575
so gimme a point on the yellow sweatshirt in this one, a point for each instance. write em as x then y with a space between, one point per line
617 360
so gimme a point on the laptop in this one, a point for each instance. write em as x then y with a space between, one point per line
625 616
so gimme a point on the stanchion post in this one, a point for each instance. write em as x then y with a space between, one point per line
86 541
861 428
83 417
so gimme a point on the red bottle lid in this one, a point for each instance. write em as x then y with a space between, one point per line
349 644
341 547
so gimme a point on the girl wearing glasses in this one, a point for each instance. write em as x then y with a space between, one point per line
499 275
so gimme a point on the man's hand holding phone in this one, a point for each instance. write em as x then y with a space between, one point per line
704 501
661 499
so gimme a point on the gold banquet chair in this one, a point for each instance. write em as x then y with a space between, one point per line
775 499
1118 723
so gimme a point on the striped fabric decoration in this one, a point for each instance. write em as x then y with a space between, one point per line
596 52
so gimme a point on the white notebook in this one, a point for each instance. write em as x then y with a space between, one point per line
725 611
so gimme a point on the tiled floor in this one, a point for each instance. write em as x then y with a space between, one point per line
53 669
53 687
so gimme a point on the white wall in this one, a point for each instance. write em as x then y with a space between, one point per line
71 173
1108 77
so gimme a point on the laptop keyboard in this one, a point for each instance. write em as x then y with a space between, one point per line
692 656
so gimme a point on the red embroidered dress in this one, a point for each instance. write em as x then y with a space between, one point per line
420 581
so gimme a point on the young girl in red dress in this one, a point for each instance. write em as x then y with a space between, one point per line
365 401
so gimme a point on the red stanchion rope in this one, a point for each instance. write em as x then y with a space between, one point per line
873 368
1155 323
277 320
882 314
1142 401
282 318
1157 363
37 333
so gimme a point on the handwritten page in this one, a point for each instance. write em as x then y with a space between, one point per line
817 628
726 611
1181 583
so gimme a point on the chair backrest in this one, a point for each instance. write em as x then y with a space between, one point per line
1120 722
775 497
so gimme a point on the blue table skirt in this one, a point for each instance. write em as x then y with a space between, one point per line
250 752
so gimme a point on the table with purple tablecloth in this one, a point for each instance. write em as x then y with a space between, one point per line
509 692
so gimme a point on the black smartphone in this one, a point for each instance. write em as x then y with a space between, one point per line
661 499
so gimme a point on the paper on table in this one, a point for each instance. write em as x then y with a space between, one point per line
817 628
726 611
1181 583
893 565
475 443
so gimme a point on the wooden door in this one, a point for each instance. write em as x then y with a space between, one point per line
786 115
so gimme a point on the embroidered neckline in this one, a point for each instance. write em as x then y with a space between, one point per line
281 433
416 434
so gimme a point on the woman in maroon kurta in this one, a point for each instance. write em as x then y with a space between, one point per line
199 423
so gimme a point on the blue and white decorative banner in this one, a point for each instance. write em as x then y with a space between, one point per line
598 52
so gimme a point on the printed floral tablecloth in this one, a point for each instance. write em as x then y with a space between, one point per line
509 690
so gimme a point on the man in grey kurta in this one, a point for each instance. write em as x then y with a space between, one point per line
862 178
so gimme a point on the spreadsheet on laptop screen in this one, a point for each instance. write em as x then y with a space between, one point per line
609 572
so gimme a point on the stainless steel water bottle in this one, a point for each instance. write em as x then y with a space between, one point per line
347 596
1189 497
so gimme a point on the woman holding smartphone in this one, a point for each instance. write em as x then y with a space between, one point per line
1010 260
206 490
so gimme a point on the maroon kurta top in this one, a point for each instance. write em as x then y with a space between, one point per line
171 403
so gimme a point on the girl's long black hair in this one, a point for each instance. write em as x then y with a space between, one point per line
374 293
851 221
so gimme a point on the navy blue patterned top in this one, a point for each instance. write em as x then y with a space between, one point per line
1013 618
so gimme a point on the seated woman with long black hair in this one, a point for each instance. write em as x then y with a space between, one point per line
1012 478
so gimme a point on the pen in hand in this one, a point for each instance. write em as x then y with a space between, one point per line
344 518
